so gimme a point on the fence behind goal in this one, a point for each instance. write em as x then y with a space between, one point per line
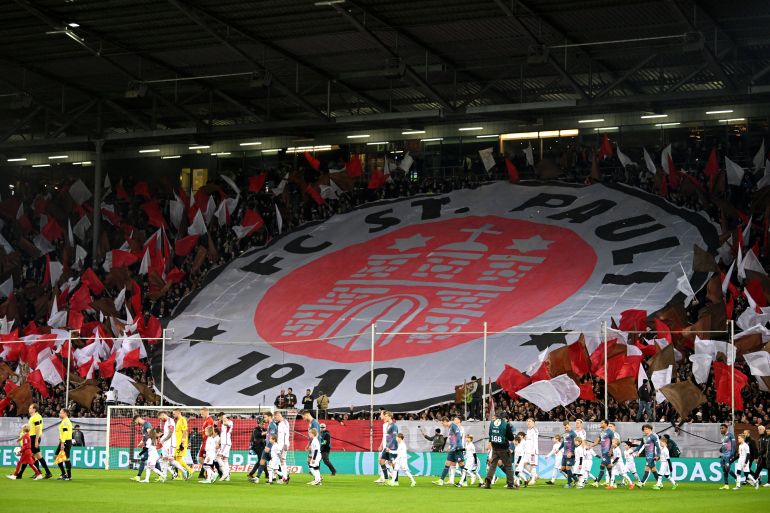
124 439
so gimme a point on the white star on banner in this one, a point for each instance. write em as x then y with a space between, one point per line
536 243
415 241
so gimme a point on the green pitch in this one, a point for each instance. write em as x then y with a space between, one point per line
98 491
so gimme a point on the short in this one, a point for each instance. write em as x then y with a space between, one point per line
530 458
456 456
664 469
179 454
606 460
66 446
224 451
152 458
387 455
167 451
274 464
743 467
34 445
649 461
265 456
567 462
401 464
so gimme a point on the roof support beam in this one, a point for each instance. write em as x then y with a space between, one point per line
21 123
413 76
625 76
285 89
532 37
694 73
73 117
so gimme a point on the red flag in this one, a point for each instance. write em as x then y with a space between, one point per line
647 349
85 369
314 194
605 151
257 182
142 189
154 214
52 231
673 173
175 275
722 381
597 357
122 258
314 162
376 180
74 320
587 391
136 298
662 329
252 218
353 166
541 374
579 358
512 380
664 185
35 378
712 168
754 287
131 359
183 246
121 193
9 387
633 320
513 173
630 367
80 300
90 280
47 272
107 367
152 331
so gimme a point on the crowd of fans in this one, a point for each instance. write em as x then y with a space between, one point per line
32 205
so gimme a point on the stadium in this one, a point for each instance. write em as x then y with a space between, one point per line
349 255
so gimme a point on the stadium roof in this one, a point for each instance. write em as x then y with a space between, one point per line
74 70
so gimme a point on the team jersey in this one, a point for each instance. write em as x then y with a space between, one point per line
470 452
181 431
580 456
629 459
728 446
664 456
530 441
211 446
283 435
225 433
36 425
65 430
555 451
315 449
605 441
169 427
272 429
401 452
568 443
313 424
743 454
617 456
456 435
650 445
208 421
385 427
392 441
146 427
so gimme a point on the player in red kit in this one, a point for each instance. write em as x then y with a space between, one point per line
25 456
207 421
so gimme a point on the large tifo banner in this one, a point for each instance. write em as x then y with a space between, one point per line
366 463
435 269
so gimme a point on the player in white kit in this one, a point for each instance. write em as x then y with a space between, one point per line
225 444
618 466
629 461
401 463
588 463
210 451
151 444
314 457
580 463
471 468
665 466
557 452
531 450
282 444
742 466
274 463
168 443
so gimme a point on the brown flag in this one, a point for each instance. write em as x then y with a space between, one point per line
200 258
700 328
85 394
22 397
714 290
702 261
106 306
559 362
684 396
5 372
149 395
674 315
118 278
623 389
748 344
662 359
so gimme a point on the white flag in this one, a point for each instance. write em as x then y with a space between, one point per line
759 158
548 394
176 211
734 172
741 270
57 319
198 226
5 245
747 232
701 367
683 286
486 158
624 160
750 317
660 379
81 227
765 180
211 207
49 371
79 192
665 155
70 237
751 263
6 288
530 155
221 213
278 189
229 181
406 162
42 244
278 218
107 184
649 162
55 270
641 377
121 299
759 363
126 392
80 256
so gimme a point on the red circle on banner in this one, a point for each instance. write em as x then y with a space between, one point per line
425 281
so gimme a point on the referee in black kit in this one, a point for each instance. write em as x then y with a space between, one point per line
326 447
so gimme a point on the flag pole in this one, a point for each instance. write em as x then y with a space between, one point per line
162 366
69 358
732 373
465 403
484 382
606 404
371 394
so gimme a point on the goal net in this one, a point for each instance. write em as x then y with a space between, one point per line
124 437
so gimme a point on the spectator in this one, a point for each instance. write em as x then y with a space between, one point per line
476 397
280 401
326 447
111 397
78 440
307 401
645 406
322 401
291 399
438 440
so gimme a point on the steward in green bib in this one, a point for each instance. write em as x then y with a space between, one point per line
500 434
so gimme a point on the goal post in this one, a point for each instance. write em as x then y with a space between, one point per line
124 438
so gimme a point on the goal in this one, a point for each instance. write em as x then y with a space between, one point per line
124 439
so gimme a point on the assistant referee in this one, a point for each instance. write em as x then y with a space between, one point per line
65 445
36 438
